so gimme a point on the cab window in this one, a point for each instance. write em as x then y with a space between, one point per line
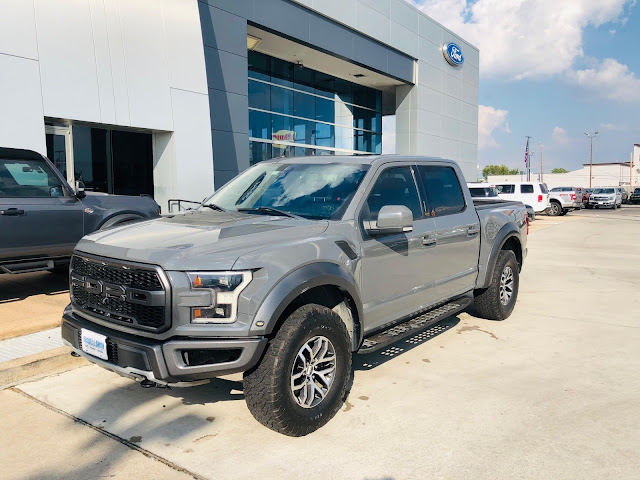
443 190
506 188
394 186
28 178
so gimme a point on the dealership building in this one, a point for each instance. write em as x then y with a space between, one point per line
175 97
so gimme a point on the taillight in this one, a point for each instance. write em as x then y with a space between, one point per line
527 220
539 198
573 196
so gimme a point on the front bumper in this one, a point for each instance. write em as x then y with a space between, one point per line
165 362
602 203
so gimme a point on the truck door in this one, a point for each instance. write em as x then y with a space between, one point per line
457 230
396 275
38 215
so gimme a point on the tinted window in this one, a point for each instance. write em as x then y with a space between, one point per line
28 178
543 188
394 186
483 192
526 188
506 188
443 190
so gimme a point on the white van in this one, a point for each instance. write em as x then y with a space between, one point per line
530 193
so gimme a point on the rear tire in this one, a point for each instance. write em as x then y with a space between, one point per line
555 209
293 390
497 301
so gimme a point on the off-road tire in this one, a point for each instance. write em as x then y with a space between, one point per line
555 209
487 301
267 387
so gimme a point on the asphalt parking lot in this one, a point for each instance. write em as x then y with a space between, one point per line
552 392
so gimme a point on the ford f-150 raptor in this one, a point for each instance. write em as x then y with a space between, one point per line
286 271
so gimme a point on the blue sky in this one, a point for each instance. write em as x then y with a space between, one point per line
552 69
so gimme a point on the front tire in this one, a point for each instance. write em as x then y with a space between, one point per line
301 382
497 301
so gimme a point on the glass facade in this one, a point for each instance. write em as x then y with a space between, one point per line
295 111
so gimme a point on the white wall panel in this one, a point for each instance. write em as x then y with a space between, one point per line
17 28
67 59
371 22
402 13
344 11
103 61
184 45
21 117
145 57
185 165
117 62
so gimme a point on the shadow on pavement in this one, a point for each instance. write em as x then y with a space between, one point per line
14 288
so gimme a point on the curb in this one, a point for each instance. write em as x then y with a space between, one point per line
33 367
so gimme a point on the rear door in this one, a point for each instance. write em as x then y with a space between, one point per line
397 277
528 194
457 230
38 215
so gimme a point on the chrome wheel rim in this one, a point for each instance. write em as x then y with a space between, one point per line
506 285
313 372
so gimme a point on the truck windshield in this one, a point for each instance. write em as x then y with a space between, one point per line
314 191
604 190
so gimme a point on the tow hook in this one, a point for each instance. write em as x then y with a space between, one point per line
147 383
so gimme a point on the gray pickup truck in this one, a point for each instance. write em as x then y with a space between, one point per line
42 217
286 271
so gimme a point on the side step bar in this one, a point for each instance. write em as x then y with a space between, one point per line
24 267
412 325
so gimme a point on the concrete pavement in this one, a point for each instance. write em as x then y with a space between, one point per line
550 393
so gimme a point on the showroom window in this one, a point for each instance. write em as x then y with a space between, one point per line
294 110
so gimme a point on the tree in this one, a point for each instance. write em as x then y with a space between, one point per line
559 170
498 170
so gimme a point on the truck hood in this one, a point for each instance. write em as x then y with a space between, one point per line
197 240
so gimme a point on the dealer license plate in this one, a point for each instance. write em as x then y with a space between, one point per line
94 344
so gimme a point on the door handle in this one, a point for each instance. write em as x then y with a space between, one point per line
473 230
429 241
12 212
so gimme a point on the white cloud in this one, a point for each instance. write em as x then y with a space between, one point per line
610 79
525 38
490 120
612 127
559 136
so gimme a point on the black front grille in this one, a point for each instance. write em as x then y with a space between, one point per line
114 308
142 279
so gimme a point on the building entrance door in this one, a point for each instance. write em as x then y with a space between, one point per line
60 150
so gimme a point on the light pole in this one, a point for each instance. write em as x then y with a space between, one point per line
591 137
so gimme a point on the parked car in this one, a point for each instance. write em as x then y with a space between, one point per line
286 271
564 199
624 194
42 217
635 197
609 197
585 197
480 190
529 193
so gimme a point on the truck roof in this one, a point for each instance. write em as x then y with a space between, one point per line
372 160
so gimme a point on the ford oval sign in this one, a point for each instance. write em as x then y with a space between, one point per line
453 54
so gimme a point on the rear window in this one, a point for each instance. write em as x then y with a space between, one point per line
526 188
506 188
543 188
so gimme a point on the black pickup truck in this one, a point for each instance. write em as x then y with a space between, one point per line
42 217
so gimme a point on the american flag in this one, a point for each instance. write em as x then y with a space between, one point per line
526 154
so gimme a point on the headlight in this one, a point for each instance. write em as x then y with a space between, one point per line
227 287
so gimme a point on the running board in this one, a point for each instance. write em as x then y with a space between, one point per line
24 267
413 325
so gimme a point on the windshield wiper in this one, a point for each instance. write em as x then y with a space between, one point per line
213 206
270 210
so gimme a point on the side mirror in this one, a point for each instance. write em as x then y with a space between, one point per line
80 193
392 219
